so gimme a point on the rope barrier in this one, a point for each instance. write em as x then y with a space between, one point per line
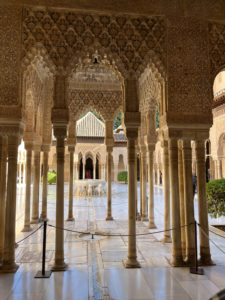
20 241
119 234
205 233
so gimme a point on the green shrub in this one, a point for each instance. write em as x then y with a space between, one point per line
51 177
216 197
122 176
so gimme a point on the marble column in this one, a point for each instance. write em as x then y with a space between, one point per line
131 261
205 256
78 171
29 148
166 193
36 183
136 195
60 134
3 159
140 166
144 215
9 264
219 168
109 150
83 169
188 202
181 194
177 259
45 149
94 171
70 210
151 223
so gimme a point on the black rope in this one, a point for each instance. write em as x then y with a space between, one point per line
70 230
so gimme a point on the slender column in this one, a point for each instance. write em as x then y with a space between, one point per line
27 227
9 264
83 169
188 202
166 191
60 134
205 256
3 158
131 261
20 172
135 173
144 216
70 211
36 183
109 179
181 193
219 168
151 187
94 171
45 182
140 166
177 259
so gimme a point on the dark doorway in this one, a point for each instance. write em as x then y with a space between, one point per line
138 168
81 169
97 168
89 169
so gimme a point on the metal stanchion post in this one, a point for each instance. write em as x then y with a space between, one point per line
196 269
43 273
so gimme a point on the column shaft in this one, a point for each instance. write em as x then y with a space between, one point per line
36 183
28 190
181 193
109 187
166 192
131 261
3 158
70 211
189 202
151 190
144 216
59 264
177 259
140 166
45 186
9 264
205 255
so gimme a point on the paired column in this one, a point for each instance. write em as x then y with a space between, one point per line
9 264
109 150
177 259
45 149
94 171
60 134
188 202
181 194
144 215
151 187
131 261
83 168
70 211
3 158
166 191
36 184
205 256
140 167
28 147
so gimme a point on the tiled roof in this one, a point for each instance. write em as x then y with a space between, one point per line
90 126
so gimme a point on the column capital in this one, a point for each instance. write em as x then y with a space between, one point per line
60 130
164 143
29 146
71 141
12 129
109 148
37 147
60 116
132 120
71 148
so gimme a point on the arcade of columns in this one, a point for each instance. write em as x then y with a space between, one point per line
153 60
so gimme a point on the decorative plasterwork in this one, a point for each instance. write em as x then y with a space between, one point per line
130 41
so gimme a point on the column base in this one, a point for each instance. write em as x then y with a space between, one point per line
70 219
144 218
190 261
59 266
9 268
151 225
109 218
166 239
131 263
26 228
177 261
34 221
206 261
138 217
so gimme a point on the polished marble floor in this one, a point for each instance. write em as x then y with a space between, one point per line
96 268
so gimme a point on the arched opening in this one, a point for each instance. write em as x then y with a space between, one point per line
97 168
89 168
81 169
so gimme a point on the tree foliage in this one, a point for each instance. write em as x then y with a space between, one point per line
51 177
216 197
122 176
117 121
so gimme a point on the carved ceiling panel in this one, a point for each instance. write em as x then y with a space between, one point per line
134 40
